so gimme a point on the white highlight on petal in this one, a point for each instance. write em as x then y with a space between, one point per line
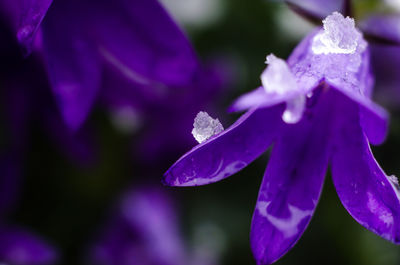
277 77
394 179
339 36
376 208
204 127
288 226
294 109
229 169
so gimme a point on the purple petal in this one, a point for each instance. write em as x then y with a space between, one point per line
305 82
19 247
26 16
291 186
368 194
72 63
384 28
259 98
386 62
373 118
141 40
144 230
228 152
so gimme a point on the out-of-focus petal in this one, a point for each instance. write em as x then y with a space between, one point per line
25 16
382 28
72 63
368 194
155 52
292 184
19 247
144 230
228 152
386 62
315 10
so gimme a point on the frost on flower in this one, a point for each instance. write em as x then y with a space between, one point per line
394 179
332 88
336 54
204 127
339 36
277 78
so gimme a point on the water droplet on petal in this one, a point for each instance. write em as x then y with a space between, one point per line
294 109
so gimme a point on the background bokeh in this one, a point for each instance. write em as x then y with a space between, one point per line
68 202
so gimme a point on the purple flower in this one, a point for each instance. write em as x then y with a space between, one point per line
143 230
316 111
20 247
382 32
82 40
24 18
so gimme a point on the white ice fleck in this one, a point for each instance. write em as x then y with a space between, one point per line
289 225
294 109
204 127
394 179
339 36
378 209
277 77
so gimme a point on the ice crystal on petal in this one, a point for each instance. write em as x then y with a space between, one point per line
339 36
394 180
204 127
277 77
336 55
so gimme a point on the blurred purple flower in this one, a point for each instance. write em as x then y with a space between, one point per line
27 103
80 39
316 110
143 230
385 51
24 18
20 247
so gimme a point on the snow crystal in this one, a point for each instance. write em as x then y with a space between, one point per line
204 127
277 77
339 36
394 179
